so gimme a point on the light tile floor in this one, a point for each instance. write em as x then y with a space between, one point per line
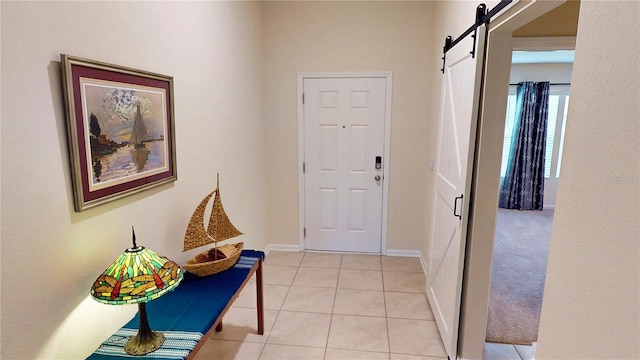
332 306
494 351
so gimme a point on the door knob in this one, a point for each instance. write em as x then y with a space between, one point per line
377 177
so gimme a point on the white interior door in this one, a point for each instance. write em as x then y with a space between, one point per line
454 163
344 136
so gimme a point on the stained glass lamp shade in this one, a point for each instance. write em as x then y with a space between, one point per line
137 276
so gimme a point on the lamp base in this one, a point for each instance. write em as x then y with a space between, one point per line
140 345
145 340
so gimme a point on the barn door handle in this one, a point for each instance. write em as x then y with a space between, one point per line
455 207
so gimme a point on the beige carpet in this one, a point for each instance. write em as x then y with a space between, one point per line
518 273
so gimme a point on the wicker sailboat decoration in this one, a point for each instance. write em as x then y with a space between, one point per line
218 258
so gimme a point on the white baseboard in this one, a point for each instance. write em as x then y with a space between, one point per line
548 207
280 247
405 253
409 253
424 267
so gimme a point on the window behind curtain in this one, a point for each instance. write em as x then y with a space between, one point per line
557 116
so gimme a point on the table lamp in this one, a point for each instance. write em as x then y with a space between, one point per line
137 276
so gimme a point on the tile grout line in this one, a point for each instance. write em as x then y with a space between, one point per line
336 287
333 306
386 313
266 341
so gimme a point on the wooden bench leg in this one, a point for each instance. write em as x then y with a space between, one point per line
260 300
219 327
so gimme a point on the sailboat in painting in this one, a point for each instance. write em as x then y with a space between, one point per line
139 131
220 228
139 134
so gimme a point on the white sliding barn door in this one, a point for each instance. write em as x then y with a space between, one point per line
461 83
344 121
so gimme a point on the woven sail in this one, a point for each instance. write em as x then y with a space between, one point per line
220 227
196 235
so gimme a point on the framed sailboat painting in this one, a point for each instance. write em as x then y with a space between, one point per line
120 130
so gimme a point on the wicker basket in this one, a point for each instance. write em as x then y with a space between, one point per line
202 265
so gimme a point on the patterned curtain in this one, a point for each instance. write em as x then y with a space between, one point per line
523 185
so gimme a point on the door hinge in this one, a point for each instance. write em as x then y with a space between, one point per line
304 232
302 98
304 167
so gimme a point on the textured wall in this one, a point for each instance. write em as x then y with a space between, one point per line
51 254
591 297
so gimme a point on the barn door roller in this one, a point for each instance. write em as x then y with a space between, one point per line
482 18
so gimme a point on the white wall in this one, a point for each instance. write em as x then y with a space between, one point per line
51 254
557 73
591 299
352 36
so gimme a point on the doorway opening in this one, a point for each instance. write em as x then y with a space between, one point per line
521 242
524 19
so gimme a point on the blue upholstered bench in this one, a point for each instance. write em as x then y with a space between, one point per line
188 315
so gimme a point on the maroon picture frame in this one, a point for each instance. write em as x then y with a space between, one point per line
120 130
